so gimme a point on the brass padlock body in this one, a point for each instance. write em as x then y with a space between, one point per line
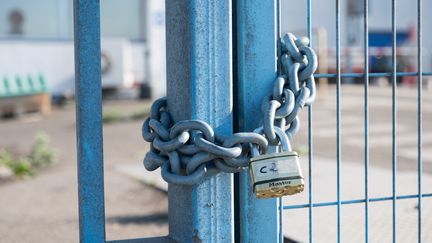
276 175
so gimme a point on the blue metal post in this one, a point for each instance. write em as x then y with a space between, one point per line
199 78
310 132
338 120
394 124
257 69
366 114
89 121
419 115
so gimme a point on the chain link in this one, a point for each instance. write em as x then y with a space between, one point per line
189 150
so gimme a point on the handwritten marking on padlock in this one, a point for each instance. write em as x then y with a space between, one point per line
273 168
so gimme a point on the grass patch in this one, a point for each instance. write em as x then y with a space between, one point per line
111 116
141 112
41 155
114 115
20 167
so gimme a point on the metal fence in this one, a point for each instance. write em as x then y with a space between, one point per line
394 197
255 61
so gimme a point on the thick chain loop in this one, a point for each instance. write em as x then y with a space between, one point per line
189 150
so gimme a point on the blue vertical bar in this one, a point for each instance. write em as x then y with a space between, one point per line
419 114
89 121
338 120
279 35
394 122
310 131
257 41
281 232
279 51
366 116
199 79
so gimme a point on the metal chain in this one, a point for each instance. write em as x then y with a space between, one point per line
189 150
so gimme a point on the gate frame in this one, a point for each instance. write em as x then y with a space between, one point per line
202 213
257 41
199 86
89 120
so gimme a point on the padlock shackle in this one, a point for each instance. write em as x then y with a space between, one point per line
283 140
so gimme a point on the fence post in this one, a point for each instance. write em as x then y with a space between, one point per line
199 84
89 120
257 69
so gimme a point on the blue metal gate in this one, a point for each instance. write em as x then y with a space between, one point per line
204 37
366 75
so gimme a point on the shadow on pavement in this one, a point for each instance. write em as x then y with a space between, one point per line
158 218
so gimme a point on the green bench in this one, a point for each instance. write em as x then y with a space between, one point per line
24 94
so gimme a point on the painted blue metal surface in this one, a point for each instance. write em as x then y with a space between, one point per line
310 131
338 119
89 121
366 116
394 123
279 69
359 75
200 84
257 68
199 78
366 201
419 116
344 202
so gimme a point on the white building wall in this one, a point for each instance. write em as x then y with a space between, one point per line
55 61
156 47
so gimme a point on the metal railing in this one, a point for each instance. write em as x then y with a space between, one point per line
206 212
199 86
366 75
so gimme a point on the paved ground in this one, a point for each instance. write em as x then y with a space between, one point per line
380 128
352 179
296 221
352 164
44 209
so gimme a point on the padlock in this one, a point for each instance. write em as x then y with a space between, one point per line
277 174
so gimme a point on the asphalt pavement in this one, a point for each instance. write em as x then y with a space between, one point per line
44 208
